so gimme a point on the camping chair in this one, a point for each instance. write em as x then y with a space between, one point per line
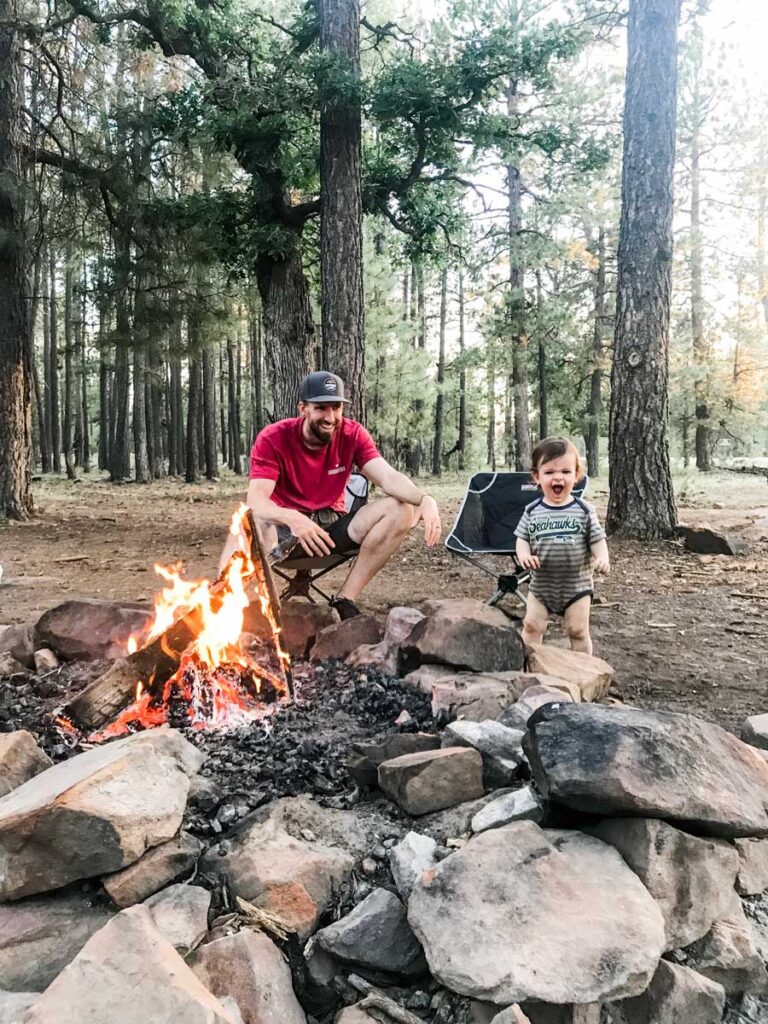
300 570
485 526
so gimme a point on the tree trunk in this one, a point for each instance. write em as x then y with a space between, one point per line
509 421
491 433
156 398
516 301
140 344
288 327
105 397
209 414
120 464
592 435
70 378
15 420
223 387
233 405
38 426
541 364
84 426
47 449
701 353
462 381
437 447
341 204
641 502
53 371
194 401
257 368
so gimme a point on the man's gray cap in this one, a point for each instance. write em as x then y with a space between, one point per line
322 387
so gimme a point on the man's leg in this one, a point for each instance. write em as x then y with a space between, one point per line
535 622
577 624
379 528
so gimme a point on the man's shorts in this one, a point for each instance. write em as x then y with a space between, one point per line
335 524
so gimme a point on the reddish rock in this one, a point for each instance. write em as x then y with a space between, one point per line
433 780
592 675
156 869
301 621
340 639
90 630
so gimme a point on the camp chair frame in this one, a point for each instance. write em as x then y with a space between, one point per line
506 583
302 573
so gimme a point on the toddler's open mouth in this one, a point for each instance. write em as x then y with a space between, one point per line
558 489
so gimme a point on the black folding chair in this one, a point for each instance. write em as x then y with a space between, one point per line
486 523
302 571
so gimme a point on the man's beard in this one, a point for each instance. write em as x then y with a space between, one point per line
319 435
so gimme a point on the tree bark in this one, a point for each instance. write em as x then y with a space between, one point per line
288 327
15 419
462 381
491 398
257 368
53 370
341 204
105 397
140 342
209 414
38 424
233 406
437 446
194 401
120 464
541 365
47 449
70 378
223 386
641 502
592 434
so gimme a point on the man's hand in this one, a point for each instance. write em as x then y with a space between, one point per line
430 516
312 537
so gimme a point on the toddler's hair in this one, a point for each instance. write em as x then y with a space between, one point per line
554 448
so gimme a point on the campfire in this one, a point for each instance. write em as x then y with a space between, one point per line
189 670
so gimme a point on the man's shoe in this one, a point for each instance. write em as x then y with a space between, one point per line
347 609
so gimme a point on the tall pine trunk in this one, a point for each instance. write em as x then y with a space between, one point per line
233 406
70 373
194 403
120 463
38 426
641 502
15 421
462 443
592 434
437 445
341 203
47 427
541 365
53 369
209 414
140 343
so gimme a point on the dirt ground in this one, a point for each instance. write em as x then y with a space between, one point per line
684 632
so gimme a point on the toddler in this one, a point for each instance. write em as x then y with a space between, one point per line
557 537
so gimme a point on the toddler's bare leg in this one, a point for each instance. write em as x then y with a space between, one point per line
535 622
577 624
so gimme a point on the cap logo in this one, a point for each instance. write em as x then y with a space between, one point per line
329 384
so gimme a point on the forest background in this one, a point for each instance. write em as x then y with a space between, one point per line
176 157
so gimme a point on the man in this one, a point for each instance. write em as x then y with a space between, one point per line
299 472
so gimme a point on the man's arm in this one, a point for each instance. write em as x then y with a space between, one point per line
397 485
312 537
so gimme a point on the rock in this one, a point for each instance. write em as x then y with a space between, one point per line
430 781
703 540
301 621
426 676
728 955
690 878
500 748
130 966
303 818
521 805
95 813
677 995
400 623
386 655
516 715
752 877
156 869
592 675
366 757
45 660
291 878
620 761
409 859
90 630
755 731
468 634
353 1015
375 935
477 697
511 1015
13 1006
250 969
341 638
41 935
570 922
17 641
567 1013
20 759
180 914
9 667
456 821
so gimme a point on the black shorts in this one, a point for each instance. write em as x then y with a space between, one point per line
335 524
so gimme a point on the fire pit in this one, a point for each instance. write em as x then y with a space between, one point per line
190 668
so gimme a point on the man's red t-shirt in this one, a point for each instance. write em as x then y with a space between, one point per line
307 478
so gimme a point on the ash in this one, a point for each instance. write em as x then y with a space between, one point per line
302 747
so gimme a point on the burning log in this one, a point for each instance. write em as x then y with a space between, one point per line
169 664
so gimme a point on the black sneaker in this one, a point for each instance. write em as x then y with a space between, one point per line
347 609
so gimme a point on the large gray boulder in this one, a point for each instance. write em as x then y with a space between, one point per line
95 813
570 922
690 878
468 634
39 936
677 995
89 630
250 970
375 935
500 748
622 761
129 972
20 760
